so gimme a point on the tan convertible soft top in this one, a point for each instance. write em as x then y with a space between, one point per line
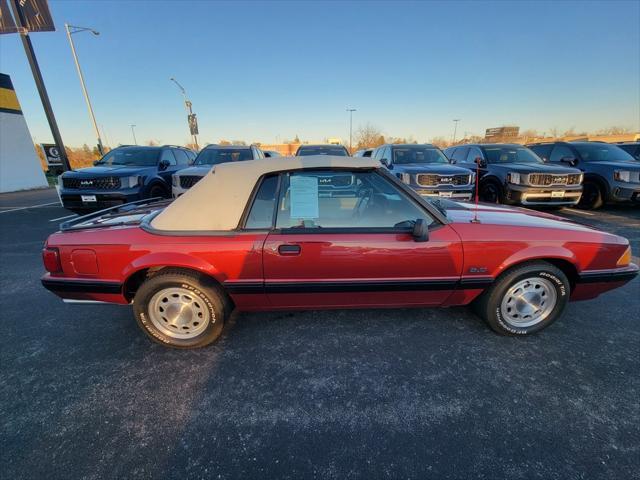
217 201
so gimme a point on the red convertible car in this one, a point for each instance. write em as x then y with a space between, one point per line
326 232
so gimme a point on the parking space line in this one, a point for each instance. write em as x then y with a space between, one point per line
580 211
30 206
63 218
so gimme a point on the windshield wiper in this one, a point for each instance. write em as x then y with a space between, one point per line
438 204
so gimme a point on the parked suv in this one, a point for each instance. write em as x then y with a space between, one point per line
208 157
513 174
124 174
336 150
426 169
610 173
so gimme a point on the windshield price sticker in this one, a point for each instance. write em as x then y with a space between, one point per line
304 197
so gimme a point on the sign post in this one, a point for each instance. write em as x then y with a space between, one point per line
33 15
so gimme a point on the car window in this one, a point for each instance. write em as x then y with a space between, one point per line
543 151
377 153
343 199
602 152
214 156
460 154
167 155
561 151
509 154
131 156
261 213
323 150
473 154
181 156
418 154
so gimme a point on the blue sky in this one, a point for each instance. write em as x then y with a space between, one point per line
263 71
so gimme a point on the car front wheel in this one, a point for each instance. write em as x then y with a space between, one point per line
181 309
525 299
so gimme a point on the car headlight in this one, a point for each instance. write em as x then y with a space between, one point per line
622 175
405 177
130 182
174 180
513 177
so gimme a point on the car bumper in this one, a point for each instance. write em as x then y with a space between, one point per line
620 193
453 192
82 290
592 283
73 199
553 196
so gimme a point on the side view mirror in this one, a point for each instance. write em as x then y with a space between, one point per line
569 160
386 162
96 162
163 165
420 231
481 162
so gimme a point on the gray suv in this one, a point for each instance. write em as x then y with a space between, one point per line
611 175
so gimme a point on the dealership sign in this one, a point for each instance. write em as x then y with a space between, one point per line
51 154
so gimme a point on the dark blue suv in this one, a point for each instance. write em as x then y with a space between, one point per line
611 175
427 170
124 174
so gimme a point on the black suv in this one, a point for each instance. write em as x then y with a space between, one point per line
610 173
124 174
513 174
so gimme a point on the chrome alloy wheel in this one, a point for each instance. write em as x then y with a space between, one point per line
178 313
528 302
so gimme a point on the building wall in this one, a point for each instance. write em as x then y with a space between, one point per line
19 164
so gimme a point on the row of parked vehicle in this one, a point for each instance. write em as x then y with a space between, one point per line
551 174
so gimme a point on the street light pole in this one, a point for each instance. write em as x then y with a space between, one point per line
133 132
187 105
455 128
84 88
350 110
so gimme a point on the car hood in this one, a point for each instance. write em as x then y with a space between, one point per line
118 171
439 168
534 168
490 214
631 165
197 170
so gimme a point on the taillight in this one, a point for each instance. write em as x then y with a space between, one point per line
625 259
51 259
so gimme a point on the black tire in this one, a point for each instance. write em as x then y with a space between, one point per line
158 191
489 305
592 196
205 293
491 192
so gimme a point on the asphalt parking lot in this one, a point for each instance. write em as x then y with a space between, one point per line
340 394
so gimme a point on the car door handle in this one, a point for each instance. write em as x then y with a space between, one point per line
289 249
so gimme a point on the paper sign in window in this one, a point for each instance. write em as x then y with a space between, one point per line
304 196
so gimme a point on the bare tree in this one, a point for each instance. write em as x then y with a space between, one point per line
368 136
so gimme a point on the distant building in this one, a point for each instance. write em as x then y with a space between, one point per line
500 134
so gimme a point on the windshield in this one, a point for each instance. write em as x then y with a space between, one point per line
510 154
602 152
406 155
338 151
146 157
215 156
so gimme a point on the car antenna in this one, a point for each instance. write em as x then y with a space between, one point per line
475 210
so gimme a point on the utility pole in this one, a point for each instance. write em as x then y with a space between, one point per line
37 76
71 29
188 105
133 132
350 110
455 128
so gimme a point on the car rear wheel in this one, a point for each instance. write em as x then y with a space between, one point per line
490 192
525 299
592 196
181 309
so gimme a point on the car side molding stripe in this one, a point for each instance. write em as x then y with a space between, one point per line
81 286
605 276
357 286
